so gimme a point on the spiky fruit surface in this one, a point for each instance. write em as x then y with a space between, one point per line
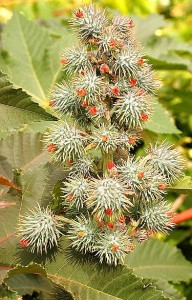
39 230
111 197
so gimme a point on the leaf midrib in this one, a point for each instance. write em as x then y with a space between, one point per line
30 61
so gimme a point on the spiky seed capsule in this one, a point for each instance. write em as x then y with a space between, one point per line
155 217
167 160
112 246
39 230
82 234
67 140
107 193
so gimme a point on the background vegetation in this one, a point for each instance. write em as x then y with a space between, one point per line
29 56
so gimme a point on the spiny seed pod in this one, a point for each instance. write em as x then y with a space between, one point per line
82 233
132 110
126 63
122 24
146 80
89 87
112 246
76 59
83 166
167 160
106 138
64 98
89 22
110 40
40 229
68 142
155 217
75 191
107 193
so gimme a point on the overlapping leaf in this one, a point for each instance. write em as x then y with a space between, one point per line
159 260
28 57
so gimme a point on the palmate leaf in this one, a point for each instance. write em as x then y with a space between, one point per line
161 121
28 57
17 108
157 260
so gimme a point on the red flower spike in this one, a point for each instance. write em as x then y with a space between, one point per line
79 14
51 148
92 110
70 162
110 165
104 138
140 62
110 225
131 140
70 197
144 117
24 243
122 219
52 103
132 82
140 175
64 61
84 104
115 90
104 68
81 92
162 186
115 248
100 224
130 24
108 211
113 43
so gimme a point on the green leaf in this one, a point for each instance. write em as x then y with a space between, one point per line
22 150
17 108
183 186
30 57
26 280
157 260
161 121
87 280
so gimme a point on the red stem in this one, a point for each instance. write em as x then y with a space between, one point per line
183 216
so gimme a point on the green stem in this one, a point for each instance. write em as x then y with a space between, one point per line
63 219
